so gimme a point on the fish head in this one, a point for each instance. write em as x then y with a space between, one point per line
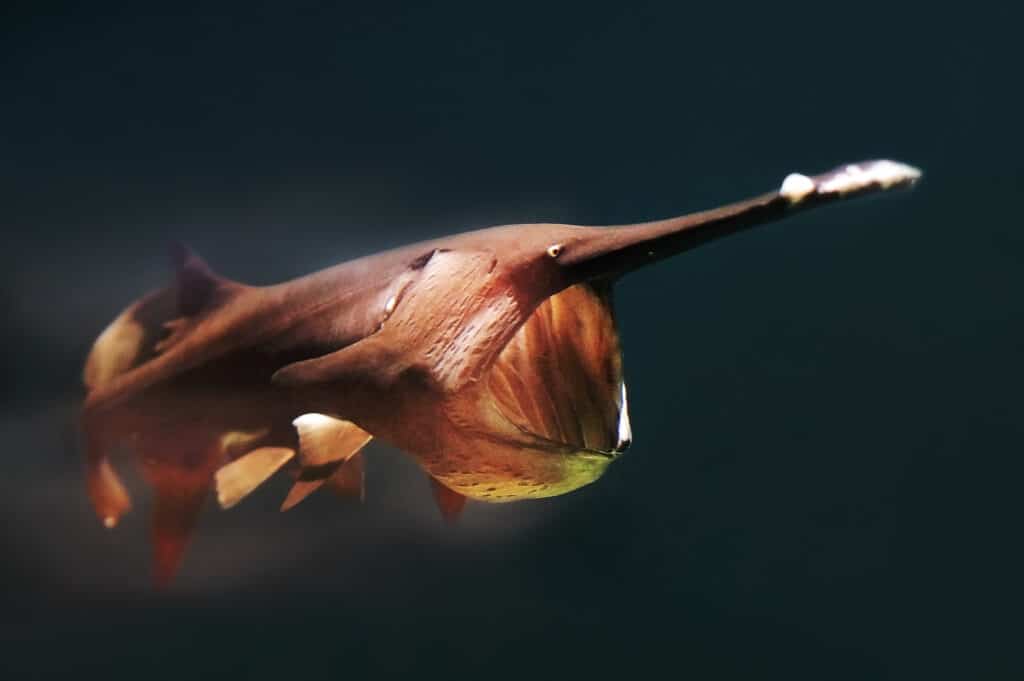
550 414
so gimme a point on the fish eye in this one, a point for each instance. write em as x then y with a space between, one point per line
555 250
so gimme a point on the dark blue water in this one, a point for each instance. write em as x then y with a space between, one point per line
825 476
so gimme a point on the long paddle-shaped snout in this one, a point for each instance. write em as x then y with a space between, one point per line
612 251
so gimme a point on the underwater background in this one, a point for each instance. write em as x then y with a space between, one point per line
827 411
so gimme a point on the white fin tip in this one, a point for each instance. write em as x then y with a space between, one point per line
312 420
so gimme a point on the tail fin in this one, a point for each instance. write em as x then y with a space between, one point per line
131 339
157 321
108 494
142 331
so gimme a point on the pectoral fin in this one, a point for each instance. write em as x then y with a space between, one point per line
326 446
240 477
350 479
367 360
324 439
344 478
303 487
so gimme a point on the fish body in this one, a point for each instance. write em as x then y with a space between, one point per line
491 357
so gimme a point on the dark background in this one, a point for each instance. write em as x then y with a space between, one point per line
825 481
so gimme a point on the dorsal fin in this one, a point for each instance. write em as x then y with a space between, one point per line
196 281
159 320
197 284
448 501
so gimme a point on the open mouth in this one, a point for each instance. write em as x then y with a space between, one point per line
559 380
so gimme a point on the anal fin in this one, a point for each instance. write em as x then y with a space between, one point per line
449 502
175 514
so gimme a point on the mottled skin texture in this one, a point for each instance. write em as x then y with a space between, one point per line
490 356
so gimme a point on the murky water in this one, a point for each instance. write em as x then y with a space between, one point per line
824 476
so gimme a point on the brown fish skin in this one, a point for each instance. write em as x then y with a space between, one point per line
490 356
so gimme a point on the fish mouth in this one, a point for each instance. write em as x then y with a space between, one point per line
535 441
557 385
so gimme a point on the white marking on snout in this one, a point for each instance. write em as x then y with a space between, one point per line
796 187
855 176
